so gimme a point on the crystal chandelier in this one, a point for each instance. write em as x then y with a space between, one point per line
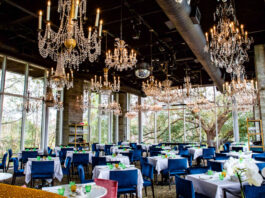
105 88
115 108
120 59
29 105
155 107
151 87
140 108
130 114
228 42
169 94
58 79
84 102
70 39
241 89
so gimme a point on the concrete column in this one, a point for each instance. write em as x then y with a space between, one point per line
140 121
59 123
184 123
110 122
259 51
116 123
235 120
122 119
72 112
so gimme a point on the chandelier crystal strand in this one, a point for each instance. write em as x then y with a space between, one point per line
151 87
70 39
59 79
228 42
105 87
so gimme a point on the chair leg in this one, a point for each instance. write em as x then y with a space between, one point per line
145 191
136 193
7 166
169 182
13 180
153 190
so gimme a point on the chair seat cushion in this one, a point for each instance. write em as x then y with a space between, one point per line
126 190
11 159
19 172
208 157
88 181
147 182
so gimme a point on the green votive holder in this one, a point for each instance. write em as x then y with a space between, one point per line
88 188
75 151
83 151
71 183
49 157
67 147
61 191
221 176
27 149
38 158
210 172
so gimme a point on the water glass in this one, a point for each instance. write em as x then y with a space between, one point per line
221 176
61 191
88 188
38 158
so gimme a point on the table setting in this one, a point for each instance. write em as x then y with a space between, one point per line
160 162
58 173
116 149
71 153
195 152
89 190
57 149
123 159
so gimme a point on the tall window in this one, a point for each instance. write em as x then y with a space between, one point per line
94 118
134 122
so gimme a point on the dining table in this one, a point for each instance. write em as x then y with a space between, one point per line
57 149
5 176
19 155
240 154
58 173
96 191
212 186
195 152
161 163
121 158
117 149
103 172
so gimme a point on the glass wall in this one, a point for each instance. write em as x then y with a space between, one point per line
134 121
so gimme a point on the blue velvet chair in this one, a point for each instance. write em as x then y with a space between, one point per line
143 160
183 152
226 149
98 161
17 172
81 174
133 145
66 170
3 164
175 167
189 158
197 170
64 151
137 154
258 155
28 154
127 181
10 158
130 156
215 166
50 152
254 192
155 153
148 176
107 149
221 156
261 166
80 148
80 158
42 170
260 159
184 189
94 147
208 153
119 143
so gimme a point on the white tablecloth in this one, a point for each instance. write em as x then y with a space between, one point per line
103 172
146 146
245 155
100 146
58 173
96 191
116 149
57 149
170 152
123 159
196 152
70 154
125 143
213 186
5 176
160 163
223 161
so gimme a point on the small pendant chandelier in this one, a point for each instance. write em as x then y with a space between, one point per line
120 59
59 80
105 87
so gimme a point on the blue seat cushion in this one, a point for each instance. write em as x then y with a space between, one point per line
65 171
126 190
174 172
1 165
147 182
11 159
208 157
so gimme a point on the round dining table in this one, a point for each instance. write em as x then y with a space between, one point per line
5 176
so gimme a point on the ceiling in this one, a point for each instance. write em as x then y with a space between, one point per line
18 35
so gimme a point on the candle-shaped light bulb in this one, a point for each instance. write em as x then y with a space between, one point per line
89 33
76 8
246 36
211 30
206 36
97 17
40 20
100 79
100 27
47 73
242 29
48 10
48 28
52 71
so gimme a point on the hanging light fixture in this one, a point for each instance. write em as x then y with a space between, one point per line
130 114
30 106
105 88
228 42
70 39
143 70
120 59
59 80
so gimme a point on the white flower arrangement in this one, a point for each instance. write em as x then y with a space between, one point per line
244 170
